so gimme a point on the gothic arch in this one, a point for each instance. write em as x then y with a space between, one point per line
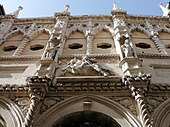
161 115
73 29
38 32
163 30
101 28
140 29
12 33
98 104
10 114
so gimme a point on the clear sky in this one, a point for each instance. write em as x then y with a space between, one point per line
46 8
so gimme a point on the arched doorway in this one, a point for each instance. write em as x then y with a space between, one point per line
77 104
86 119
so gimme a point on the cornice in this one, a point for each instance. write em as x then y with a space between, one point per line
35 19
139 18
94 18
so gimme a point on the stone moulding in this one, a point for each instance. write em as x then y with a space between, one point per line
19 57
90 56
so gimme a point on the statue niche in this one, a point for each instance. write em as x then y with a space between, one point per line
127 48
85 67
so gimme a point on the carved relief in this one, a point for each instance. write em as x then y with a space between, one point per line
153 102
85 66
48 102
127 102
23 103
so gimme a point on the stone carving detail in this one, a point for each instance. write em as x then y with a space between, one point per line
119 22
89 35
165 10
87 87
143 113
85 66
153 102
160 87
16 13
15 87
49 102
37 92
127 102
4 29
23 103
115 7
129 79
38 79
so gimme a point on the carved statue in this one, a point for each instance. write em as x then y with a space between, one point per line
66 10
16 13
115 7
52 51
165 10
127 49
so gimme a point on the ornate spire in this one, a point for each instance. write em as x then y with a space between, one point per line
16 13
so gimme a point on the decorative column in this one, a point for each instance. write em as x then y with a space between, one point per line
26 39
38 86
155 38
138 85
159 45
89 36
49 60
129 62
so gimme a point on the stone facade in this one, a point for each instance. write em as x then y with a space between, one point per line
112 68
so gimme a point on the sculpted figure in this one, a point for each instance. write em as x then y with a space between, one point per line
77 65
127 49
72 65
51 52
165 10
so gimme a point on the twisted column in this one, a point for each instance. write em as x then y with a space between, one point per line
32 110
89 44
21 47
159 45
37 88
142 109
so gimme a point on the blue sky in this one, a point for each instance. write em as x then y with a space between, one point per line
45 8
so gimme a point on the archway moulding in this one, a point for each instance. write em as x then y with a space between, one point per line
161 115
10 114
98 104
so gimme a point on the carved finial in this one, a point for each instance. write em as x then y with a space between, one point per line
66 9
115 7
165 10
16 13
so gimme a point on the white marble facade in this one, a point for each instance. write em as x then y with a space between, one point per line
116 66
